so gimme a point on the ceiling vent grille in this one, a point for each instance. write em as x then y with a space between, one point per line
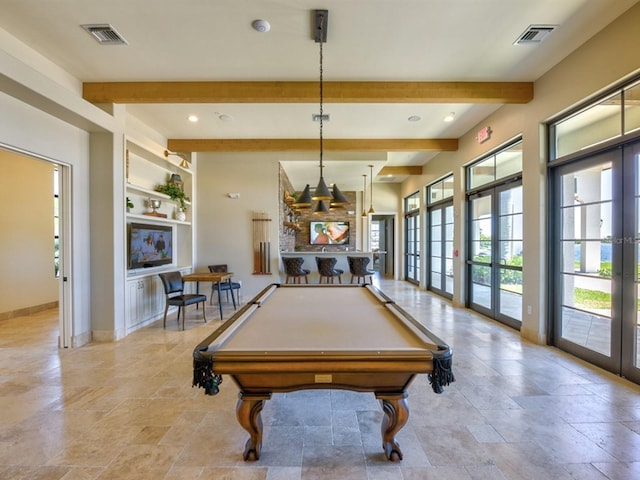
325 117
105 34
535 34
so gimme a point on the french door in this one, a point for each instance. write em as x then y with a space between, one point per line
495 253
595 284
412 247
440 278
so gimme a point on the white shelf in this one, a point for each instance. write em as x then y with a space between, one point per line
152 193
135 216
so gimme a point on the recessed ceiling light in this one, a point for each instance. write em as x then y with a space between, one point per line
450 117
193 118
414 118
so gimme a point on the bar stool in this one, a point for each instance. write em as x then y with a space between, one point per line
293 269
326 270
358 269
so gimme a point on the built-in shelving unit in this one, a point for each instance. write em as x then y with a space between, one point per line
144 171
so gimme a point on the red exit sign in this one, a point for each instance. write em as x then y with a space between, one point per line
484 134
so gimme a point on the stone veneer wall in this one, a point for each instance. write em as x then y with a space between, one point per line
299 241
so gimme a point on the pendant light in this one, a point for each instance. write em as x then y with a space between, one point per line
371 210
364 194
325 198
339 200
322 192
304 200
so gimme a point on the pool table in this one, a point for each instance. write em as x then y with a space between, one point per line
296 337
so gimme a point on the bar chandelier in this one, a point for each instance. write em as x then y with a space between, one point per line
322 195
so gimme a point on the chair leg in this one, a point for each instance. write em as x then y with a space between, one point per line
306 279
164 320
204 315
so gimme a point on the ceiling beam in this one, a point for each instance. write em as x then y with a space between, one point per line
307 92
406 170
312 144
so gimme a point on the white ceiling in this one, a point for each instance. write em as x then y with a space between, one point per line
368 40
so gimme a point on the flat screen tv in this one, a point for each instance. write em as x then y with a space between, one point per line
150 245
328 233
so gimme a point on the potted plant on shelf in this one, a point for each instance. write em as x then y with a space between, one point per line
129 204
177 194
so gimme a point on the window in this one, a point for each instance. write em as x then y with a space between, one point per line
607 118
441 190
498 166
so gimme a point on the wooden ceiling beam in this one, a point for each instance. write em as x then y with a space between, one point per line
312 144
307 92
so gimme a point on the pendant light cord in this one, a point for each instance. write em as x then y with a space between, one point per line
321 100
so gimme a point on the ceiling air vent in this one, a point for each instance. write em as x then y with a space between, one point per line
105 34
325 117
535 34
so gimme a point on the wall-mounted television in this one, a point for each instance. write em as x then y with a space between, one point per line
328 233
150 245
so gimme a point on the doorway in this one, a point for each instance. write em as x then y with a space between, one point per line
382 244
39 251
496 252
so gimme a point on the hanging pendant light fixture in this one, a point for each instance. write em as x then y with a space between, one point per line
364 194
371 210
325 198
339 200
304 200
322 191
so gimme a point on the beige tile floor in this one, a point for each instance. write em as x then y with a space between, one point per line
127 410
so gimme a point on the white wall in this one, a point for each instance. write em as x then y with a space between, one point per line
224 225
44 116
26 243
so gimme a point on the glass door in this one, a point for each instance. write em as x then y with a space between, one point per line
588 260
509 253
441 250
496 248
412 247
481 240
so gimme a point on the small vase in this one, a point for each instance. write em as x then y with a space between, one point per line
181 216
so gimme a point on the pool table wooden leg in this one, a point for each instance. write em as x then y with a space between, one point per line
396 414
248 411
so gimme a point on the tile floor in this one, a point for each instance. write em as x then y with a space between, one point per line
126 410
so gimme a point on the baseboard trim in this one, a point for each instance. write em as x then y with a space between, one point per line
22 312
